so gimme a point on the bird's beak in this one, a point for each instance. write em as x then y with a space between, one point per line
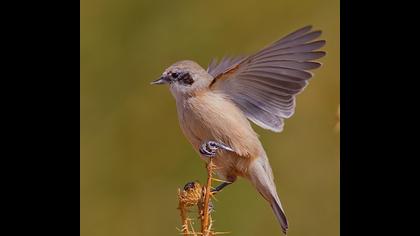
161 80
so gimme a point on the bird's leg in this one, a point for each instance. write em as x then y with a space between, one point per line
220 187
209 148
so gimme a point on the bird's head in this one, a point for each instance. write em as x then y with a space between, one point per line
185 78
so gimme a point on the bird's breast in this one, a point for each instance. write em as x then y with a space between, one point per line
212 116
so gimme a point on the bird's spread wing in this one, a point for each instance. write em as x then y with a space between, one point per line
264 85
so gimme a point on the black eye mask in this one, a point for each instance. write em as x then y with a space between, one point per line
182 77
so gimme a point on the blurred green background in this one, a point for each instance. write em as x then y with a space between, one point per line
133 154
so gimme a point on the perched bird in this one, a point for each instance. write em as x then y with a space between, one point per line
214 106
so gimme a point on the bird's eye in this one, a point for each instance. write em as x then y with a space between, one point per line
174 74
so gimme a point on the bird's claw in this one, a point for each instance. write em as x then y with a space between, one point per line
219 187
209 148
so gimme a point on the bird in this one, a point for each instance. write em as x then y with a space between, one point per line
215 106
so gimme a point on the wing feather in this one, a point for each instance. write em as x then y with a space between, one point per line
264 85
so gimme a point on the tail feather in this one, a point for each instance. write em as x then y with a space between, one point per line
281 217
260 176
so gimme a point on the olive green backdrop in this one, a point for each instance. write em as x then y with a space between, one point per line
133 154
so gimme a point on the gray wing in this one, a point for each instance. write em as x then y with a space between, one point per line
264 85
216 69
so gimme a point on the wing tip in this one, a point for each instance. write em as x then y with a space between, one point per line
307 27
318 54
322 42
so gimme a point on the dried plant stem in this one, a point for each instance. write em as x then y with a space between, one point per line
205 217
192 195
184 220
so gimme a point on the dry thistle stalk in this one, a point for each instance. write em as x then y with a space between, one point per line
194 194
190 196
205 229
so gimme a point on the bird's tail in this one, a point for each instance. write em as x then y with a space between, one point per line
261 177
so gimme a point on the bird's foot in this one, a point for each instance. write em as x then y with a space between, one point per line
219 187
209 148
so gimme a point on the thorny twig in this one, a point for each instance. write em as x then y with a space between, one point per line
195 195
205 229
